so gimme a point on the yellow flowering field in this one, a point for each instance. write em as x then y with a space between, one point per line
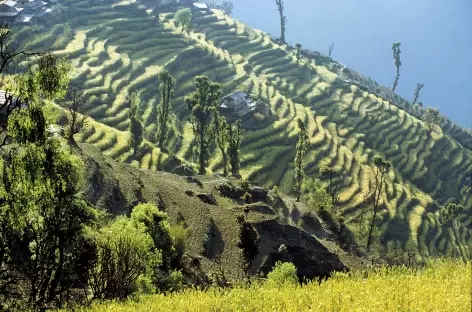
441 286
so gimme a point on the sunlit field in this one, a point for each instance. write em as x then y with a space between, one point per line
441 286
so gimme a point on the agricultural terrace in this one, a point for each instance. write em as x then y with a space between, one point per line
121 47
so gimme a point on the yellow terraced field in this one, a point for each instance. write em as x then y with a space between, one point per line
116 49
441 287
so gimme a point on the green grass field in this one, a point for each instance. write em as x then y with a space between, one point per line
116 49
443 286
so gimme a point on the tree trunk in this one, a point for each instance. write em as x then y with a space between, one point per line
395 83
282 25
372 223
201 156
225 164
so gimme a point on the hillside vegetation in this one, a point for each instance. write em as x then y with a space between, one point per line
443 286
118 48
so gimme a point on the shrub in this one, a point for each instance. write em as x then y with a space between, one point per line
158 228
180 233
125 258
283 273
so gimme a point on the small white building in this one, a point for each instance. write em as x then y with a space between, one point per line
9 11
238 104
199 6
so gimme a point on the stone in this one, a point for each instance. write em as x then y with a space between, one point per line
207 198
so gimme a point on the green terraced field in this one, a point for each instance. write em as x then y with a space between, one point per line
119 48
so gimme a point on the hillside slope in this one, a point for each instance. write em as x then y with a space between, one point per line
210 216
120 47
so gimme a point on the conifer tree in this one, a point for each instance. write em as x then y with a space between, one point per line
235 136
166 87
302 147
283 19
136 127
298 46
203 105
396 55
222 136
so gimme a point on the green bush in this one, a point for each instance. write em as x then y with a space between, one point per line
126 257
283 273
180 233
156 225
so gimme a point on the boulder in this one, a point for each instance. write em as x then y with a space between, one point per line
261 208
184 170
258 194
207 198
229 190
312 259
193 180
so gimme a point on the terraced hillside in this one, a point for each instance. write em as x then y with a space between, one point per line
118 48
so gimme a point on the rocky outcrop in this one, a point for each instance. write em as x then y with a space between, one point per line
311 258
207 198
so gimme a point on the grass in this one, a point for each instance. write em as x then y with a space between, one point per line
441 286
120 48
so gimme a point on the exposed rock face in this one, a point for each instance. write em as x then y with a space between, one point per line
228 189
184 170
258 194
207 198
310 257
261 208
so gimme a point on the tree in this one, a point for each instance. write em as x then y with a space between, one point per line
136 127
45 82
235 136
248 242
52 76
298 46
184 17
317 198
166 87
330 49
382 169
9 51
331 189
227 7
222 136
449 213
301 148
203 104
396 55
44 251
283 19
419 86
42 218
77 122
432 118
